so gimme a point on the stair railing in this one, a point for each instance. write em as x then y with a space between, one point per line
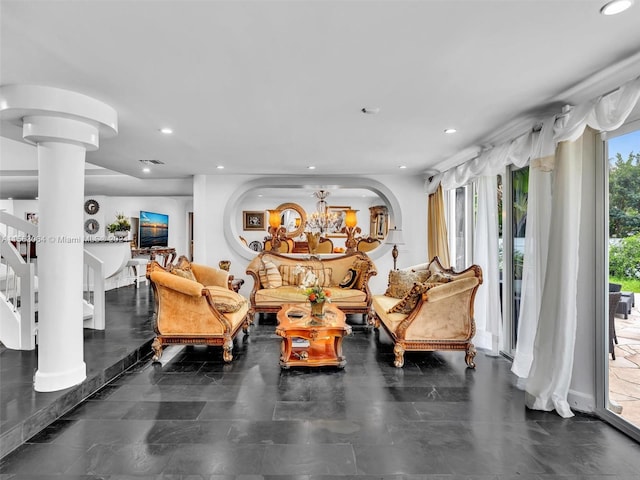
18 308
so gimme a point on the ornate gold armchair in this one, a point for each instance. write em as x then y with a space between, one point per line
194 305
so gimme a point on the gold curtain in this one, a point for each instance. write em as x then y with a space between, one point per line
437 229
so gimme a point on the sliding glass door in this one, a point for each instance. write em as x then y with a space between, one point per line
619 381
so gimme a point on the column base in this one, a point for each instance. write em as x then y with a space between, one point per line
52 382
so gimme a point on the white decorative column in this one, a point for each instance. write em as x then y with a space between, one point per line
63 125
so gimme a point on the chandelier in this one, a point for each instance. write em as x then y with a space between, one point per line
322 221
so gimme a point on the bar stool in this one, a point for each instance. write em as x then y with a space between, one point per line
138 268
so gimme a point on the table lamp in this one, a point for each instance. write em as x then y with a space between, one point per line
350 229
275 229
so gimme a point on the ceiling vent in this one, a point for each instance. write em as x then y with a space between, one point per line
151 162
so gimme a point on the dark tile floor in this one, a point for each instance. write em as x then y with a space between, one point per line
108 353
194 417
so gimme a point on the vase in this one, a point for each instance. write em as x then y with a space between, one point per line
312 241
317 309
121 233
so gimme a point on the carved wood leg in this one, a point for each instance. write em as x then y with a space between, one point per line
373 319
246 325
227 349
398 350
156 346
470 354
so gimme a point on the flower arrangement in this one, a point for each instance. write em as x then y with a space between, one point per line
317 294
121 224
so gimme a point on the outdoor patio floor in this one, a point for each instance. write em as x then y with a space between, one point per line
624 371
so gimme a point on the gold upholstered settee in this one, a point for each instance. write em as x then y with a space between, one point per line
195 305
427 307
277 279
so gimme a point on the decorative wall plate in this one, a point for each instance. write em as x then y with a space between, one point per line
91 207
255 246
91 226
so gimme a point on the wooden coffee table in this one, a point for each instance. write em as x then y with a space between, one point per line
305 343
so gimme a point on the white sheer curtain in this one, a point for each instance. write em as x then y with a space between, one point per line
551 368
487 304
550 356
535 264
552 364
535 249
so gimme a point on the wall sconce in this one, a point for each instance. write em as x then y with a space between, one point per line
394 238
350 229
275 229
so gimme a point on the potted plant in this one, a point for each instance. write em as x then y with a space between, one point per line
121 227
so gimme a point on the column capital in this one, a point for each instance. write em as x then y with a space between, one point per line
54 114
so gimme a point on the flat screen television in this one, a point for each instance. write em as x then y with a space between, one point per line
153 230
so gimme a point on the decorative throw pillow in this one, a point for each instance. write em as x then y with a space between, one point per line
349 279
289 275
410 300
362 267
440 278
401 281
184 273
269 275
182 268
225 300
323 275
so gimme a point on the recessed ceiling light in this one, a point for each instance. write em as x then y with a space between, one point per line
166 130
146 169
402 166
370 110
311 167
450 130
220 167
616 6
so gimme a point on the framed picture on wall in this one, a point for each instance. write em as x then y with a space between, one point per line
341 211
252 220
31 217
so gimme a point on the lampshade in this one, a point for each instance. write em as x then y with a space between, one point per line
394 237
274 218
351 219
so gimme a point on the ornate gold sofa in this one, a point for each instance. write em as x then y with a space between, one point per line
195 305
427 307
276 283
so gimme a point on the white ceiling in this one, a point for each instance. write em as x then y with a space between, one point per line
271 87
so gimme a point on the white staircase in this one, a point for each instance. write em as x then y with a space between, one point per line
19 285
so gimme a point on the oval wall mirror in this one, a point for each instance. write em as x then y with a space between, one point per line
293 219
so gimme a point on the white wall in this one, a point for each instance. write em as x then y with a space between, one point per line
213 194
176 207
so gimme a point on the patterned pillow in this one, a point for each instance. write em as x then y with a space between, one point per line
324 275
269 275
182 268
290 277
184 273
401 281
225 300
349 279
410 300
441 278
362 267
